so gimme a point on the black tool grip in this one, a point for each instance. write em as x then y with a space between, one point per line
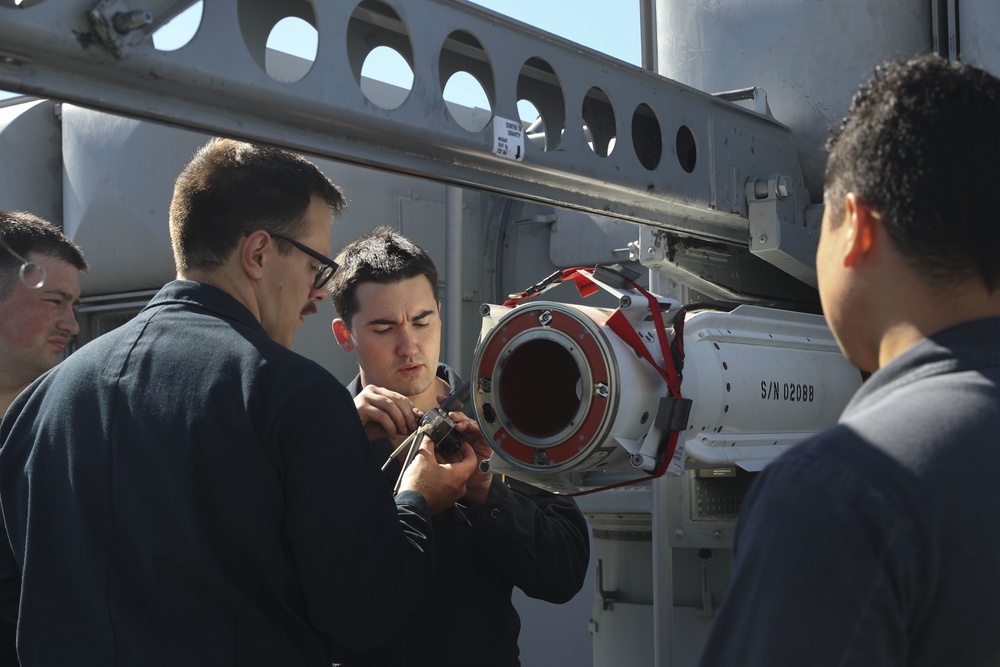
457 398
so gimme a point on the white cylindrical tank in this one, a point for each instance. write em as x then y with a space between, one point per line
809 56
30 167
118 180
979 21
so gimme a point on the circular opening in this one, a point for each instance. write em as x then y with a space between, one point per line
467 81
280 36
531 121
687 152
180 30
538 388
291 49
380 54
599 126
646 136
540 104
386 78
467 102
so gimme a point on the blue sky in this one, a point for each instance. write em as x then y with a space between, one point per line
587 22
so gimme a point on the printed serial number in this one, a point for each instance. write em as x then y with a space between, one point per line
787 391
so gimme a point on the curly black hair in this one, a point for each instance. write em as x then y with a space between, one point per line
922 147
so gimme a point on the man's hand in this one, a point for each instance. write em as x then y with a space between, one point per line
440 483
386 414
478 486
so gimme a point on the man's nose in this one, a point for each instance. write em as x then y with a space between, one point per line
68 323
317 294
407 343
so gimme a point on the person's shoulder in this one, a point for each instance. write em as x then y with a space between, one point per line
834 476
829 446
289 369
836 457
448 374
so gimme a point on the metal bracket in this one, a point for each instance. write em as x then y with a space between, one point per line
778 230
117 27
608 598
707 609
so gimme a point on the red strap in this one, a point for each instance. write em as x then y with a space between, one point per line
578 274
584 284
662 468
622 328
619 324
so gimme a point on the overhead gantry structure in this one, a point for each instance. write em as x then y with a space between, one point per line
714 182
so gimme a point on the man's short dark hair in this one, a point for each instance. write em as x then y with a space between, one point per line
26 234
921 148
381 256
231 187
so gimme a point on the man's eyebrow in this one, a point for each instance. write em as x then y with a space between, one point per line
381 322
61 293
389 322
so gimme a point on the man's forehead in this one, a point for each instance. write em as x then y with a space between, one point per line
412 296
47 260
417 287
61 276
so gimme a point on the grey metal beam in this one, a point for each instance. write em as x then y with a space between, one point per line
680 161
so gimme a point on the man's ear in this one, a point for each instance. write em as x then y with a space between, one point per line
343 335
862 229
252 255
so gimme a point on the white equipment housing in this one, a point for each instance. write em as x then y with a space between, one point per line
570 407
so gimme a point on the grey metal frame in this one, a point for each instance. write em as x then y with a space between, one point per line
683 160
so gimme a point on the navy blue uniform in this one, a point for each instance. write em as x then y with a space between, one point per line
186 491
520 537
875 543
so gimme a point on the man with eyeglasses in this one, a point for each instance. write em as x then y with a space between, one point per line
186 490
39 293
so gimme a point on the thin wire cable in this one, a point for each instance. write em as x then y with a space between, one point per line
26 266
413 442
399 450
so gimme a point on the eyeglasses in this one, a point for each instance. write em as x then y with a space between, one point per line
327 267
32 274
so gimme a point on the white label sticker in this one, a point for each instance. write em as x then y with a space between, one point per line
508 138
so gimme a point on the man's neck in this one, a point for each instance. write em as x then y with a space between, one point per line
428 399
934 311
225 279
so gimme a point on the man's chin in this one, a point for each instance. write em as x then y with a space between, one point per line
412 386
